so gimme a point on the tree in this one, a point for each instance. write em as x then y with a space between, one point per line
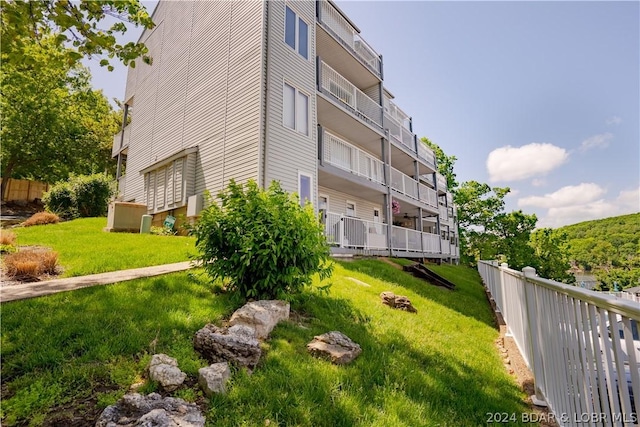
71 23
551 248
477 206
445 164
262 241
53 123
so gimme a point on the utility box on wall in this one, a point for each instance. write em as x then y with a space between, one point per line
194 205
125 216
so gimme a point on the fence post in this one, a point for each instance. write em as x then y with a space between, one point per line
341 231
534 337
504 304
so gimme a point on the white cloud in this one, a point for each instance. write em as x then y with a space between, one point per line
538 182
626 202
597 141
517 163
615 120
570 195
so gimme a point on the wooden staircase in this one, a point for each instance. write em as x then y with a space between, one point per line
421 271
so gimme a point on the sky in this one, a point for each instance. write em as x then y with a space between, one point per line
542 97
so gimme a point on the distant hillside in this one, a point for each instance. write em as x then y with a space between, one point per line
605 245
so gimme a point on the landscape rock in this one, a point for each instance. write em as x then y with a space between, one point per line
164 370
151 411
213 378
262 316
218 345
397 301
335 346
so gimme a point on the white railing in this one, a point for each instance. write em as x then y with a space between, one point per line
442 211
405 239
121 184
340 153
404 184
118 143
582 346
430 243
335 84
449 198
349 232
623 295
426 154
344 31
445 246
399 134
441 182
428 195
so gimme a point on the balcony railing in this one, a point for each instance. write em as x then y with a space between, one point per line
344 32
426 155
404 184
340 153
333 83
349 232
121 184
430 243
405 239
399 133
441 182
428 195
118 143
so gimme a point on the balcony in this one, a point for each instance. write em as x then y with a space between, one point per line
349 96
426 154
342 30
120 145
341 154
349 232
121 184
441 182
408 186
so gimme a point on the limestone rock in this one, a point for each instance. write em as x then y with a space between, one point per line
397 301
151 411
262 316
218 345
164 370
213 379
335 346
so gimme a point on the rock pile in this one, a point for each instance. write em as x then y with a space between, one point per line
400 302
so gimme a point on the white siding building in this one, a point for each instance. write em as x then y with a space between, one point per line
287 91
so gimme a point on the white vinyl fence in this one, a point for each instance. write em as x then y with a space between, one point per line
582 346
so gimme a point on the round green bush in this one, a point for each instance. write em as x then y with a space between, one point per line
80 196
262 241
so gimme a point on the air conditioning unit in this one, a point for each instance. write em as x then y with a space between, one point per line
194 205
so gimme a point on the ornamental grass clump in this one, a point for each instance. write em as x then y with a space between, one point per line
263 243
30 264
41 218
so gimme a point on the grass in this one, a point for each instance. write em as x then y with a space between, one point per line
84 248
438 367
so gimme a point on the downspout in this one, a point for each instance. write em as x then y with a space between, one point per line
264 122
124 124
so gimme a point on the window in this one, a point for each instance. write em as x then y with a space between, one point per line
350 209
304 188
296 33
296 109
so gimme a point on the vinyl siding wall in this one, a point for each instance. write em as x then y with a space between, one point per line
203 89
338 203
287 151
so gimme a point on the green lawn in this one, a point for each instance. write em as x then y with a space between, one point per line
72 354
84 248
77 352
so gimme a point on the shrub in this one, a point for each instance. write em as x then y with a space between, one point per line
92 193
262 241
81 196
30 264
60 199
41 218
